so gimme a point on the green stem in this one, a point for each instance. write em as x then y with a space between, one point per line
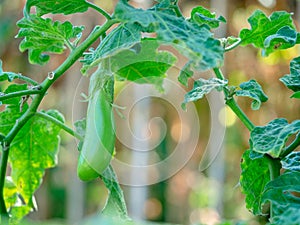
4 158
27 79
234 45
240 113
274 168
177 10
233 105
60 124
291 147
19 93
72 58
102 11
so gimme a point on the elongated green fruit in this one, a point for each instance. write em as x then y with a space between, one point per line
99 140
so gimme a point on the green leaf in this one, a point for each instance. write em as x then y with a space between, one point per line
13 110
33 150
292 80
253 90
42 36
8 117
296 95
271 139
145 65
185 74
203 87
11 89
10 192
190 39
122 37
283 193
115 205
291 162
289 216
255 175
270 33
203 16
57 6
17 213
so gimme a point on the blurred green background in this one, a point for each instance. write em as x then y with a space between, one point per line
190 196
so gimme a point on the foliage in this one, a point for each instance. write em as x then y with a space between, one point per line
30 137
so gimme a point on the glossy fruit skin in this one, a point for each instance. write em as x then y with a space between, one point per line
99 140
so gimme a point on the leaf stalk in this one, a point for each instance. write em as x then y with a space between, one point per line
59 124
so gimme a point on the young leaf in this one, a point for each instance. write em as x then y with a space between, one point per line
201 16
255 175
43 36
185 74
144 65
57 6
33 150
270 33
291 162
115 205
193 41
296 95
203 87
271 139
283 192
253 90
122 37
292 80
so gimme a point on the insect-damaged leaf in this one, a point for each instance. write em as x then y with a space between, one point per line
270 33
43 36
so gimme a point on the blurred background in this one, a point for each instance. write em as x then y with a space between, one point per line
191 194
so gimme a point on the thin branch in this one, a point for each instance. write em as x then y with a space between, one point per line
240 113
234 45
4 158
101 11
27 79
60 124
177 10
4 96
233 105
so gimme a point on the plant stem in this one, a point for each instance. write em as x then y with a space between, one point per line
28 80
234 45
240 113
102 11
4 158
72 58
177 10
233 105
274 169
19 93
60 124
291 147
